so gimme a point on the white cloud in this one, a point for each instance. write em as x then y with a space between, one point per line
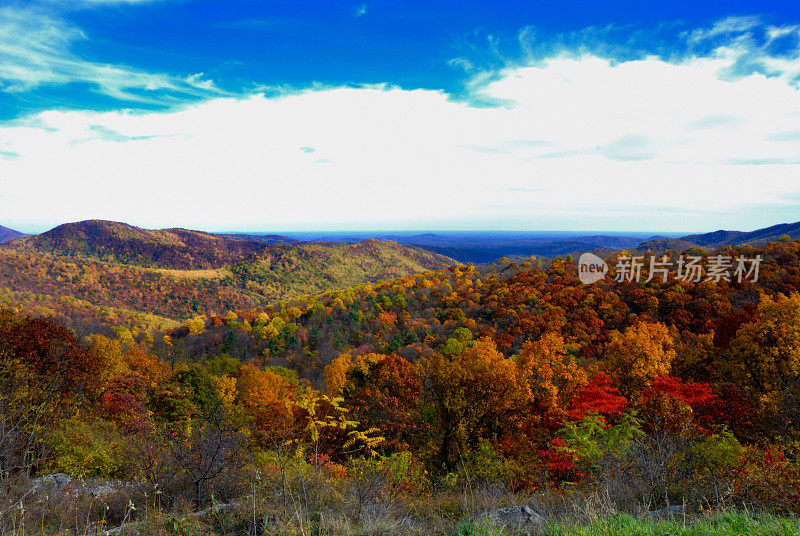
582 143
35 50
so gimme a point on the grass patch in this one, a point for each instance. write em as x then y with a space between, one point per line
728 524
220 273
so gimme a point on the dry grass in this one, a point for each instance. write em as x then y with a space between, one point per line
219 273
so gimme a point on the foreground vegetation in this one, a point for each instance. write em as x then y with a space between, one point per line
416 406
444 514
715 525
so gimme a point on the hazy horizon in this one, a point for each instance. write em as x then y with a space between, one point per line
311 233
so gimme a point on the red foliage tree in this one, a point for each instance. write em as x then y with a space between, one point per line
598 396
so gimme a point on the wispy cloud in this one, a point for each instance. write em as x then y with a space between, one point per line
36 50
715 121
79 4
100 132
630 147
462 63
791 136
360 10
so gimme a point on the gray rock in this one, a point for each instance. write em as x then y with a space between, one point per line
669 511
103 490
518 516
57 482
216 509
130 529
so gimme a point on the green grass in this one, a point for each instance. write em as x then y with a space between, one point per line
729 524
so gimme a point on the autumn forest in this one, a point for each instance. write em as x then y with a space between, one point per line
174 385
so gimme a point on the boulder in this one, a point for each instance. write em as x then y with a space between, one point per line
669 511
56 482
103 490
521 517
131 529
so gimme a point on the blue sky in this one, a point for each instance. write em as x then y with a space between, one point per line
254 115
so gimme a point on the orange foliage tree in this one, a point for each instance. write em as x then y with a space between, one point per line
267 397
550 374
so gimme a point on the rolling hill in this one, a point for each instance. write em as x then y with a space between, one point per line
176 273
718 239
758 237
486 252
658 245
7 235
319 266
269 239
125 244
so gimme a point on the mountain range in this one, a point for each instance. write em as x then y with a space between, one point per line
175 273
109 272
183 249
758 237
7 235
119 242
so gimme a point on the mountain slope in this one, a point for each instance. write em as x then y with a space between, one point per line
658 245
178 273
7 235
126 244
722 238
269 239
486 253
314 267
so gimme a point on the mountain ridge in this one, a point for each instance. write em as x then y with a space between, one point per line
120 242
176 273
721 238
7 235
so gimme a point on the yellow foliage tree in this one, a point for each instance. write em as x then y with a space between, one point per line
766 352
550 375
636 357
196 325
471 394
226 388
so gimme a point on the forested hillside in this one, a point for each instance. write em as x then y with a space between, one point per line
511 380
118 242
7 235
178 274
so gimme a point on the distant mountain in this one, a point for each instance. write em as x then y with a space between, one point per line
609 242
659 245
422 240
715 239
126 244
269 239
7 235
758 237
489 252
489 247
175 273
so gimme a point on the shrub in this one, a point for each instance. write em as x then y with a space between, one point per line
86 449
